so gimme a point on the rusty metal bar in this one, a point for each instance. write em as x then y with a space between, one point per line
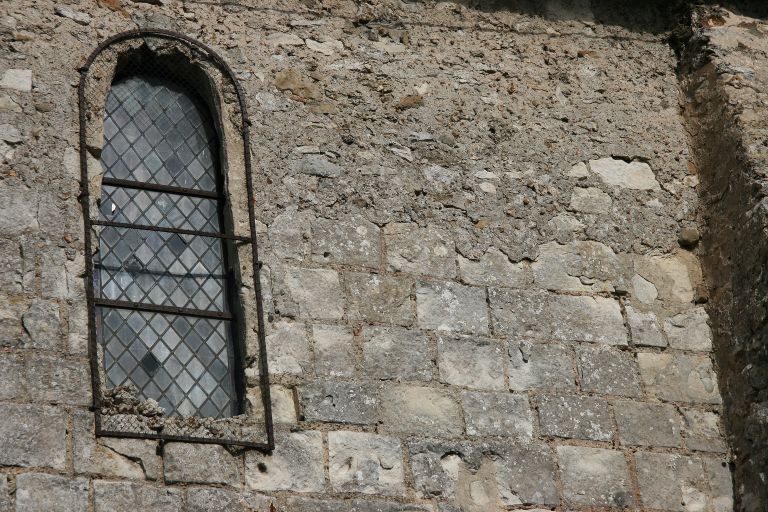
154 187
156 308
144 227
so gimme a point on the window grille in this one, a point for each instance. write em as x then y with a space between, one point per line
165 317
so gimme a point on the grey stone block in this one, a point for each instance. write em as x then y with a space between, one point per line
353 505
594 477
283 404
212 499
54 379
43 325
366 463
130 497
5 499
608 371
679 378
14 375
451 307
296 464
494 269
577 417
51 493
645 329
334 350
420 410
289 234
380 298
689 330
308 293
33 436
497 414
427 251
340 402
642 424
474 363
671 482
396 353
702 431
720 484
580 266
288 348
539 366
11 265
182 463
351 240
543 315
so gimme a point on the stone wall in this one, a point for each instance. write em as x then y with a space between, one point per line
479 231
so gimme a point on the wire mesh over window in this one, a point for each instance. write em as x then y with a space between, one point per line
161 280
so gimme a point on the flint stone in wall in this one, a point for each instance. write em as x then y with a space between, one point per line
53 379
428 251
608 371
633 175
497 414
334 350
539 366
493 269
396 353
131 497
470 362
183 462
594 477
309 293
642 424
590 200
112 457
211 499
702 431
42 324
644 328
543 315
366 463
720 484
51 493
451 307
315 505
575 417
671 482
380 298
296 464
420 410
351 241
576 267
689 331
288 348
32 436
679 378
340 402
17 79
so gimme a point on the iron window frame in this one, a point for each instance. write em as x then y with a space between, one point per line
93 302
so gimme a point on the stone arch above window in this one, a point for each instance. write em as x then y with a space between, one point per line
172 266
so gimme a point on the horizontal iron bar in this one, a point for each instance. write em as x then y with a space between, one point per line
193 439
139 306
144 227
154 187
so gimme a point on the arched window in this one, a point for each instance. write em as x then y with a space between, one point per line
166 290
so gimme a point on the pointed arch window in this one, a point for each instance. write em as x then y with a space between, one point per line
165 287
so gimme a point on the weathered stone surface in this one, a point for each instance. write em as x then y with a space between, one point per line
642 424
318 165
32 436
679 378
17 79
340 402
182 463
396 353
39 491
310 293
42 324
54 379
380 298
428 251
293 80
334 350
296 464
352 240
576 267
720 484
283 39
81 18
5 499
594 477
283 404
644 290
702 431
670 275
130 497
11 265
497 414
451 307
590 200
560 317
366 463
608 371
112 457
572 416
211 499
493 269
289 234
671 482
645 329
315 505
14 377
540 366
10 134
288 348
420 410
20 208
689 330
471 362
618 173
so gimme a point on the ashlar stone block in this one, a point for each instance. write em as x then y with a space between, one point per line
671 482
575 417
497 414
689 330
182 464
213 499
451 307
644 328
366 463
380 298
608 371
494 269
581 266
351 241
644 424
679 378
14 377
43 325
474 363
420 410
54 379
427 251
40 491
33 436
396 353
309 293
702 431
540 366
296 464
288 348
296 504
720 484
130 497
594 477
340 402
334 350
